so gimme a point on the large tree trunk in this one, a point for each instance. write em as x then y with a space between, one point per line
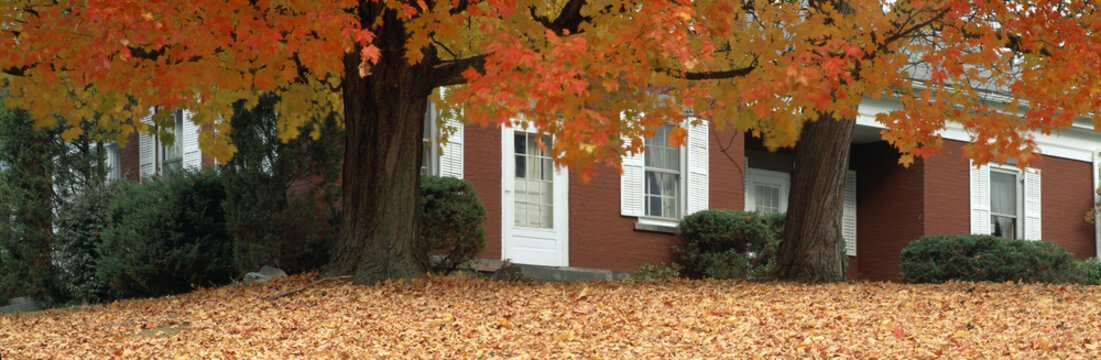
383 119
811 248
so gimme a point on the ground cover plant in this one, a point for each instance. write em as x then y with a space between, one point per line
454 317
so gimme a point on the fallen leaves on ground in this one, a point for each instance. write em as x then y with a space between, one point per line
454 317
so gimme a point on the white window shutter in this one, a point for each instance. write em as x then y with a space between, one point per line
631 183
451 157
697 167
848 217
189 135
147 152
980 200
1032 205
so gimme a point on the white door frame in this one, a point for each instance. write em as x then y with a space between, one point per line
510 234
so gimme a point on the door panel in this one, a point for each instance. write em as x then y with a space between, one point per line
534 201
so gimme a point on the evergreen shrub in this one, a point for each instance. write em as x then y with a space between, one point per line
728 244
166 236
451 222
939 258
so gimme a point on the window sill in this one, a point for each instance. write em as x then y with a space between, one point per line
656 225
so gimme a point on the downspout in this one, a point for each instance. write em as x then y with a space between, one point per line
1096 216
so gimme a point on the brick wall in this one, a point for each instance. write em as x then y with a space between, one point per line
129 158
726 177
947 191
482 166
889 210
1065 196
600 237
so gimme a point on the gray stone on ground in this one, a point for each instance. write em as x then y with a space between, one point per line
266 273
20 304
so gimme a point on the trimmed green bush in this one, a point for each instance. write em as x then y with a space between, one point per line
166 236
939 258
1091 270
728 244
451 222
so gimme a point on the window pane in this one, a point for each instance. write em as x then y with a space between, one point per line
669 207
534 185
547 221
533 148
521 140
767 198
652 187
548 193
1003 193
1004 226
521 167
653 206
669 184
546 146
548 169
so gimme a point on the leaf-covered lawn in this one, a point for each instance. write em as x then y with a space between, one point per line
450 317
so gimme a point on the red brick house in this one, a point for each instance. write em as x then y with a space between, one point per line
544 217
541 216
146 155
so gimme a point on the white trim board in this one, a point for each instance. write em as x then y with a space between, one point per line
1075 143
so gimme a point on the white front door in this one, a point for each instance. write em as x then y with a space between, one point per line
534 216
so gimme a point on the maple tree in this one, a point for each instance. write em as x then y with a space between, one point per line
598 75
450 317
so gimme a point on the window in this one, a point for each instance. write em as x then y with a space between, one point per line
664 183
662 176
173 154
1004 203
114 163
534 199
766 191
767 198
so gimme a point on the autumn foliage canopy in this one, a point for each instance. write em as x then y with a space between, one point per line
591 73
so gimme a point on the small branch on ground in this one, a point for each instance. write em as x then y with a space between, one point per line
307 286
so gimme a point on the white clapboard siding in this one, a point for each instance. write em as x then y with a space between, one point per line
631 185
147 151
848 217
1032 205
451 157
980 199
189 135
697 167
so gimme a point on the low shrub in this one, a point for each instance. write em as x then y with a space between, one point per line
451 222
727 244
1091 270
939 258
660 271
166 236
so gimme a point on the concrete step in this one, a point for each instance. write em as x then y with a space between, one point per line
20 304
552 273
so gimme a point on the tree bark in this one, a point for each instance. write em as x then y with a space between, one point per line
383 119
811 249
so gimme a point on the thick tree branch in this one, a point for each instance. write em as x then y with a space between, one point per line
16 70
712 75
570 19
448 73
